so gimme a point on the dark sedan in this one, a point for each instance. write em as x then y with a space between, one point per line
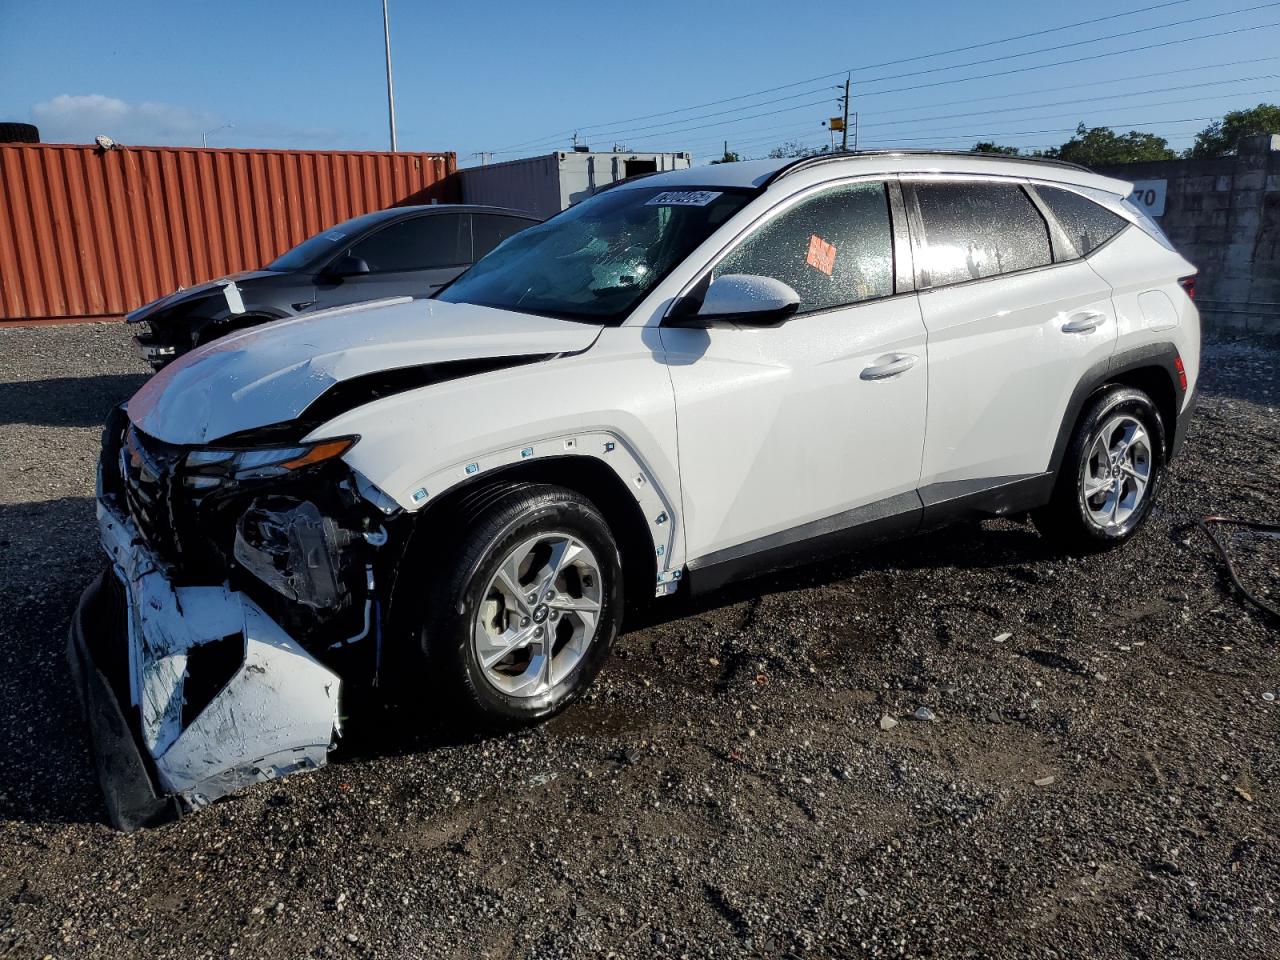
404 251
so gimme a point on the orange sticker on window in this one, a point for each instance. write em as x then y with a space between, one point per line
822 255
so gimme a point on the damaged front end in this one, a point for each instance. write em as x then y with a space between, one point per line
243 591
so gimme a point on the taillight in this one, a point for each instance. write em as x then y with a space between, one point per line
1188 284
1182 372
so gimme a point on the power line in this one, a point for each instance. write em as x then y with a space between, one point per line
937 83
1131 124
1074 60
1061 103
748 135
605 128
1074 43
1093 83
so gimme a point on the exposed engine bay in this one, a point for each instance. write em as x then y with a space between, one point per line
250 578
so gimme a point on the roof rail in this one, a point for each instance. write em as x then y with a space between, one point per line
804 162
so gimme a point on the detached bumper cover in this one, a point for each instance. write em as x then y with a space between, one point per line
191 692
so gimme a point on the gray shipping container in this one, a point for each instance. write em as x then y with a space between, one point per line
548 184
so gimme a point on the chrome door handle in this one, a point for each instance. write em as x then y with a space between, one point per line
890 365
1086 322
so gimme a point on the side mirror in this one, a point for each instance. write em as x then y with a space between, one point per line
346 266
749 300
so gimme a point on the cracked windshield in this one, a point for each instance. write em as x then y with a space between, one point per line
595 261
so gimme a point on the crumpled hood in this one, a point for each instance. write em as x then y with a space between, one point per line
187 294
270 374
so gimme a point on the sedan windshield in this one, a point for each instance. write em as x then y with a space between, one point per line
595 261
312 251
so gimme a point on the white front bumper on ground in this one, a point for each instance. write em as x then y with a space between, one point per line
276 715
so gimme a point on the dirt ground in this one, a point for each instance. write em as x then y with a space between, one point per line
1100 778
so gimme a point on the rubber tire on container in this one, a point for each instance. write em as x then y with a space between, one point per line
19 133
525 510
1065 520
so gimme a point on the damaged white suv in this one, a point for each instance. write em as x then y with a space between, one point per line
688 378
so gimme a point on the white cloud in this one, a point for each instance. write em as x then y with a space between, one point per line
71 118
78 119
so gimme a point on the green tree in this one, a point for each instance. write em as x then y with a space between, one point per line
793 148
729 157
1219 139
986 146
1100 146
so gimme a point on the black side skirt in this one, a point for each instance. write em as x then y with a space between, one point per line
890 519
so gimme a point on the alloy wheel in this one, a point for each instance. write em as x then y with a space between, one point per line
538 615
1117 472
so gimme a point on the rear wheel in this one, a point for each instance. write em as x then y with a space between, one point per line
526 606
1110 475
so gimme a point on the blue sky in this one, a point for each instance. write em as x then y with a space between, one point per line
517 78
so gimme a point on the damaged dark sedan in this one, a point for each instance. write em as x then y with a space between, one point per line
410 251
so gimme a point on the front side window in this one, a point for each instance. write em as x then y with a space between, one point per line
597 260
976 230
420 243
834 248
1087 224
315 251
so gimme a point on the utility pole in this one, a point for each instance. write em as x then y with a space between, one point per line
844 133
391 94
855 131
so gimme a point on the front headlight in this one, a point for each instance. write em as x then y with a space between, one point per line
211 466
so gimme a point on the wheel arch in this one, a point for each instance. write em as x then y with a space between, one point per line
1151 369
585 475
227 323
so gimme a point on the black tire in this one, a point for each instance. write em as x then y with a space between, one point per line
19 133
1066 519
508 518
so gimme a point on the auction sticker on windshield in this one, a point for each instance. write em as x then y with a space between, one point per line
683 198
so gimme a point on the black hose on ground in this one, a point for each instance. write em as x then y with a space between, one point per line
1206 524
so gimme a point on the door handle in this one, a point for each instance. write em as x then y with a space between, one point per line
890 365
1086 322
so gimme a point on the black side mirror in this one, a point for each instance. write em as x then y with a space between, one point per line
346 266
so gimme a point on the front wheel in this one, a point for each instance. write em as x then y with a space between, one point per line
1110 474
527 607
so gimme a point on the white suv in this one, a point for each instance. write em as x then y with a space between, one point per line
688 378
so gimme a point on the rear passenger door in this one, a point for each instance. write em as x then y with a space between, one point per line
413 257
1014 321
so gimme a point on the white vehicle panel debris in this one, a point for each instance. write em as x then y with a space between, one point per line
276 713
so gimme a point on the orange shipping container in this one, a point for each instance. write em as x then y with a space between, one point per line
86 232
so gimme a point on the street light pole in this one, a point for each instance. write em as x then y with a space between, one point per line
204 137
391 94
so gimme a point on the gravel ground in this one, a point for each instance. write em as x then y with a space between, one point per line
1099 777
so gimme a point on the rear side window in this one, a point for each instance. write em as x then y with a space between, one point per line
833 249
420 243
1087 224
489 230
976 230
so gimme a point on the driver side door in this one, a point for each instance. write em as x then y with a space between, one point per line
798 439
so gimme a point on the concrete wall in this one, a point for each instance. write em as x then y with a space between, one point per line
1223 214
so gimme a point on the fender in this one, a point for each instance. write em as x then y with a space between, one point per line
419 445
604 446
